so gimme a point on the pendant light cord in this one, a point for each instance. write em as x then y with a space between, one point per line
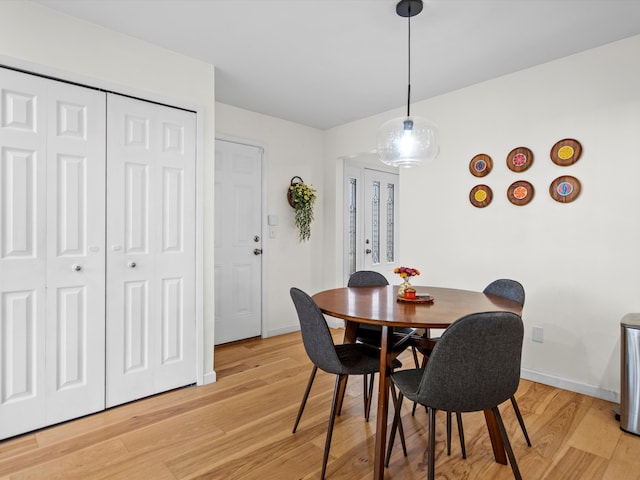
409 62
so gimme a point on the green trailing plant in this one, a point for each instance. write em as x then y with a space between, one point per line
303 197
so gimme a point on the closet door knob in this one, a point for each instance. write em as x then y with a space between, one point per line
132 265
76 267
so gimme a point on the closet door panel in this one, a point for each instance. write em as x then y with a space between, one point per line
22 252
52 149
75 251
151 249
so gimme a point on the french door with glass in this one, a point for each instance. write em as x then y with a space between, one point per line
371 220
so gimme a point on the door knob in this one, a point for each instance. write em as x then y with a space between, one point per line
76 267
257 251
132 265
367 251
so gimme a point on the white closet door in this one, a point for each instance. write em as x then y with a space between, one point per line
151 249
75 251
23 260
51 317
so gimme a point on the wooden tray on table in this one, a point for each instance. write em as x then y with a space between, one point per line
420 298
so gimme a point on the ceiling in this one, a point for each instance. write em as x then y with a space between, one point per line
323 63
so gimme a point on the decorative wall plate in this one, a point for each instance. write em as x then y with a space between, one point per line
566 152
480 196
519 159
480 165
520 192
565 189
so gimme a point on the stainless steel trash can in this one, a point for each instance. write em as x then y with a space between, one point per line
630 373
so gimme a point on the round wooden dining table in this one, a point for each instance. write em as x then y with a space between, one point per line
380 306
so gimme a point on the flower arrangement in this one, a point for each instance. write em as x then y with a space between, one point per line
302 198
405 289
405 272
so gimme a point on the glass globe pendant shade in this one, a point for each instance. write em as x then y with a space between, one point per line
407 141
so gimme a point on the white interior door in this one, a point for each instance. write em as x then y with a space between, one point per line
150 249
52 167
238 246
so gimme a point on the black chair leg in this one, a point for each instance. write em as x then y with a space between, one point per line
368 396
394 427
461 434
432 444
332 419
400 429
365 392
520 420
507 444
304 397
415 356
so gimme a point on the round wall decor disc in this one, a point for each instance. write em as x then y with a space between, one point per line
480 196
480 165
565 189
520 192
566 152
519 159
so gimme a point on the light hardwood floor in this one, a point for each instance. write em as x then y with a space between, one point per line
240 428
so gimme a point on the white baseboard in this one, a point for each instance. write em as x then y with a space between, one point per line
282 331
209 378
571 385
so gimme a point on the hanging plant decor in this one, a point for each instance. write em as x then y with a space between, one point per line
302 197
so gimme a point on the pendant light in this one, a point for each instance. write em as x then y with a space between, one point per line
408 141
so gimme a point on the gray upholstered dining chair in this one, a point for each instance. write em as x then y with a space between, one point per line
341 360
483 377
512 290
369 334
505 288
366 335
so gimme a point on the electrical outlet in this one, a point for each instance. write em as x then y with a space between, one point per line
537 334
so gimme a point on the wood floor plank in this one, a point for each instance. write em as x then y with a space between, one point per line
576 464
17 446
625 462
596 434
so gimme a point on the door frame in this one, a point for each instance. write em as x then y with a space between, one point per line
204 345
263 215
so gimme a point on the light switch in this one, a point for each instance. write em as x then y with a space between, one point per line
537 334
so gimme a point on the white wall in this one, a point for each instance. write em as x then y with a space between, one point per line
292 150
40 40
579 261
